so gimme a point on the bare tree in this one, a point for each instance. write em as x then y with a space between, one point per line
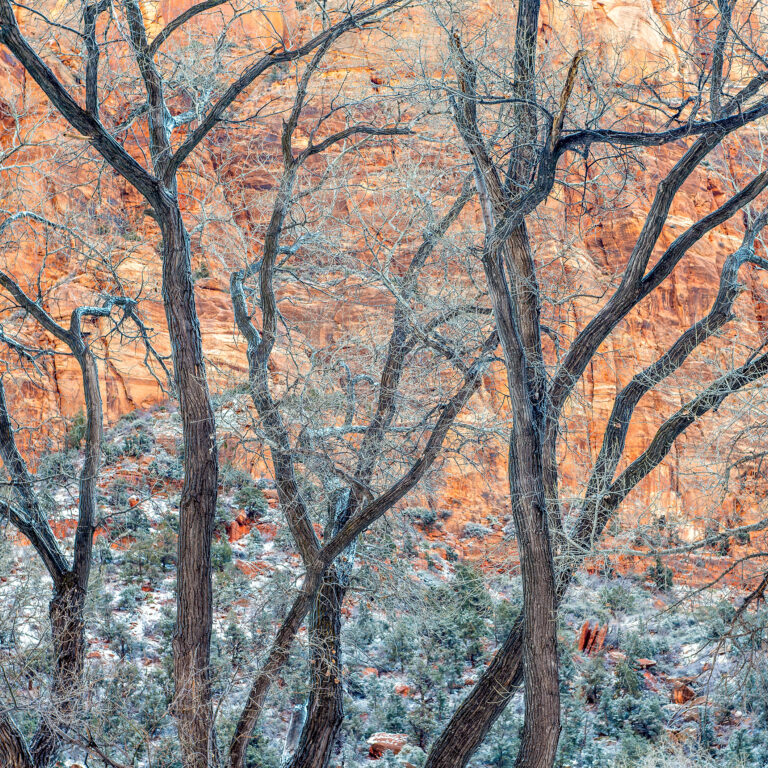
353 509
348 457
25 512
516 165
521 144
158 185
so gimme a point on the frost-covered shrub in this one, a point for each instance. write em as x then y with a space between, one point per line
617 597
129 598
166 467
476 531
138 444
423 516
56 469
641 715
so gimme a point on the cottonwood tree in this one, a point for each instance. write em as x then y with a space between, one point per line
158 113
520 146
159 110
364 417
24 508
516 164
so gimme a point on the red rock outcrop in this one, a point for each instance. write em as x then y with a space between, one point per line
379 743
592 639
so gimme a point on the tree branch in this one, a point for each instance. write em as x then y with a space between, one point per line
29 519
80 119
631 293
272 57
179 21
626 401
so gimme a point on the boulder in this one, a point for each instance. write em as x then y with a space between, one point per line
682 693
379 743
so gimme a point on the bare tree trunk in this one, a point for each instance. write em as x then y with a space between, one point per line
274 662
515 296
541 727
325 709
68 604
474 718
13 748
68 635
70 584
192 635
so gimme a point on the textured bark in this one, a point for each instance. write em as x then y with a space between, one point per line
192 635
514 292
474 718
529 477
325 708
263 680
192 704
13 748
68 635
541 728
476 715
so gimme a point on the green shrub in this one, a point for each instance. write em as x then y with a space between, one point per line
118 494
76 431
221 554
627 677
660 575
252 500
137 444
617 598
594 679
641 715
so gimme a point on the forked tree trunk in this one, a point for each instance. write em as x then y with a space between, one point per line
510 274
541 729
68 636
192 636
325 708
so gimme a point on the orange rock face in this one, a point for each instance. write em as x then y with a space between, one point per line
227 192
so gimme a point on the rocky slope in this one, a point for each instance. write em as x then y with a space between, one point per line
643 675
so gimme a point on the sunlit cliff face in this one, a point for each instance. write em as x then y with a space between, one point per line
582 235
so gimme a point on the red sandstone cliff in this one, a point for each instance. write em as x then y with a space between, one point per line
233 180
